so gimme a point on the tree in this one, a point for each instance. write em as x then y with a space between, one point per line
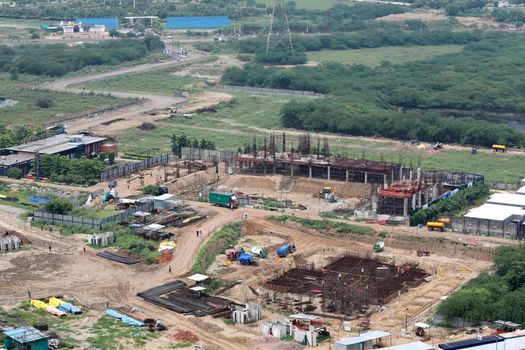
113 33
58 206
44 102
15 173
153 190
111 157
102 156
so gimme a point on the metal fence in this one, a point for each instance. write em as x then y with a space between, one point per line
484 227
216 156
129 168
270 91
90 222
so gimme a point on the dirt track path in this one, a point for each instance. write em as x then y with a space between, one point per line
136 112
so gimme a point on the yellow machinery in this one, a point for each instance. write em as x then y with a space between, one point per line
326 191
499 148
434 225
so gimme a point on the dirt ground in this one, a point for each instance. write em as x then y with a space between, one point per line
92 281
413 15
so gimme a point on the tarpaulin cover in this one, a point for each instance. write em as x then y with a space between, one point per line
197 22
125 318
38 199
52 310
62 305
245 258
109 23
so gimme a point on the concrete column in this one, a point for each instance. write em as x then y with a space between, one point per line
392 178
401 172
347 175
414 201
385 183
310 171
419 199
405 207
291 169
410 176
328 172
366 177
418 174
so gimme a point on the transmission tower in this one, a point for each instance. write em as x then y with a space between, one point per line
283 30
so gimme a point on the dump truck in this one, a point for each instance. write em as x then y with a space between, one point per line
435 225
285 250
499 148
259 252
223 199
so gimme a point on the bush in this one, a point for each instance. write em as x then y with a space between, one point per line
153 190
15 173
43 102
59 206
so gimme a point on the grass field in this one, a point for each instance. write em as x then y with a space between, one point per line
234 125
161 81
311 4
26 110
374 57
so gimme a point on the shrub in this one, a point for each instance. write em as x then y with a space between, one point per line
59 206
43 102
15 173
153 190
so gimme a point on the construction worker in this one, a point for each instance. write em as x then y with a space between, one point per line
28 294
50 247
169 269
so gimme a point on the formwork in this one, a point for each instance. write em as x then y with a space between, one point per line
330 168
349 284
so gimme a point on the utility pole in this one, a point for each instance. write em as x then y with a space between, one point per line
281 11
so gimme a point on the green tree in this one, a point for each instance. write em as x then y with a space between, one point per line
111 157
58 206
15 173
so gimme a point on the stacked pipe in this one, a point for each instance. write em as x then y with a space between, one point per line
102 239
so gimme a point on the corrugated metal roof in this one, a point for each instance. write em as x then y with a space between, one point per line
371 335
109 23
25 334
418 345
495 212
507 199
469 343
197 22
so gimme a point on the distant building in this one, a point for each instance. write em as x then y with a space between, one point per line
71 146
108 23
25 338
201 22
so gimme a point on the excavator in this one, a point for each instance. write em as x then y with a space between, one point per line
328 193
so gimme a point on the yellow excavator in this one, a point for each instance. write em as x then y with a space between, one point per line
328 193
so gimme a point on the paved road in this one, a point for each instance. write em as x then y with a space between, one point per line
134 112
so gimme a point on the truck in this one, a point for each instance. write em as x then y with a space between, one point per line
223 199
247 259
436 225
285 250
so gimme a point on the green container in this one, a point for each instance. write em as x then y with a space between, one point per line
219 198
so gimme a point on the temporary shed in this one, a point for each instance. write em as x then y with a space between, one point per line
198 278
362 342
153 227
513 199
25 338
514 340
496 212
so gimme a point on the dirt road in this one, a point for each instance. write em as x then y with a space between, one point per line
135 113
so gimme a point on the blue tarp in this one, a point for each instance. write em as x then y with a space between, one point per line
72 309
124 318
245 258
283 250
197 22
110 23
38 199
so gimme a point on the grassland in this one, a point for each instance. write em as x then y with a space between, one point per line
162 81
234 124
374 57
26 110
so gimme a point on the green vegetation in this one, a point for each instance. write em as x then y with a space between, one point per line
450 206
341 228
153 190
92 213
185 344
137 246
178 142
160 81
217 244
495 295
110 332
404 101
27 111
374 57
60 206
71 171
57 59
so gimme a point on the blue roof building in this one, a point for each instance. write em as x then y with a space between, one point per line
25 338
109 23
197 22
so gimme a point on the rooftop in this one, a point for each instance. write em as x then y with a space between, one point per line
507 199
198 277
13 159
25 334
56 144
496 212
468 343
418 345
372 335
